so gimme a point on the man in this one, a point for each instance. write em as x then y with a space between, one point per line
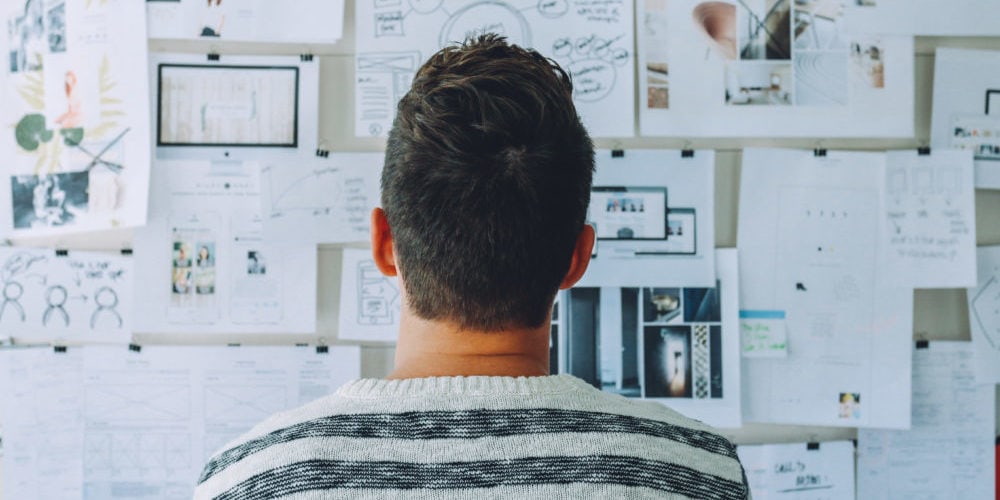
485 191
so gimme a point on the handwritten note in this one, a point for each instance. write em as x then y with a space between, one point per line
763 334
800 470
930 232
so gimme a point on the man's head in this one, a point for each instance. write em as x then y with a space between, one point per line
486 184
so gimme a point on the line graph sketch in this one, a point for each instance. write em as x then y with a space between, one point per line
317 191
592 40
144 403
244 403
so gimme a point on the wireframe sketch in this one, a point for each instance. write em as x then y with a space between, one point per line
593 41
376 296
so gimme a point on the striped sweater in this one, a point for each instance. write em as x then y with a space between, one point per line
476 437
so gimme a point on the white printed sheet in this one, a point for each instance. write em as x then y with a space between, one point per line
766 68
966 109
370 302
302 21
810 240
984 315
671 343
592 40
654 215
105 422
74 125
205 265
321 200
924 17
65 296
799 471
948 452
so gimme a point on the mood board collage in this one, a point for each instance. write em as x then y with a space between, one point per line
210 158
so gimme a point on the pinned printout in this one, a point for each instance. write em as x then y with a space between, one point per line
811 245
205 265
74 125
654 215
799 471
592 41
920 17
931 212
756 68
370 301
948 452
966 110
321 200
671 343
984 316
141 425
302 21
234 108
763 334
66 297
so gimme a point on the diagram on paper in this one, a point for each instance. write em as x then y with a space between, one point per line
76 296
592 40
370 302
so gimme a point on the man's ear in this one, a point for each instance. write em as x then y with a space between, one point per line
581 257
382 251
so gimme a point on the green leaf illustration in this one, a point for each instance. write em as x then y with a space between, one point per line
31 132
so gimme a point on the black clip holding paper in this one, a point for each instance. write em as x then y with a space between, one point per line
135 347
819 153
59 348
233 344
62 252
306 57
212 57
923 344
322 349
812 446
322 153
618 153
687 153
924 151
126 251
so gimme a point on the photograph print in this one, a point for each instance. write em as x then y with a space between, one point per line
667 361
49 200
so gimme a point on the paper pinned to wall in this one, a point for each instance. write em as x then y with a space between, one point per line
799 470
302 21
592 41
654 215
923 17
370 302
120 424
65 297
930 207
948 451
966 109
757 68
810 239
321 200
763 334
74 125
205 265
671 343
984 315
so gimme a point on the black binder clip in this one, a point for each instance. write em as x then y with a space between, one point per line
62 252
322 153
687 153
819 153
233 344
126 251
617 153
322 349
59 348
212 57
813 446
135 347
924 151
306 57
923 344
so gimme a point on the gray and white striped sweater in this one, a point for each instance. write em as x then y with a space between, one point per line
476 437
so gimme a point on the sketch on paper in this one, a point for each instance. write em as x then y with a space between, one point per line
220 105
77 296
370 302
326 200
591 40
376 296
984 314
766 67
78 152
